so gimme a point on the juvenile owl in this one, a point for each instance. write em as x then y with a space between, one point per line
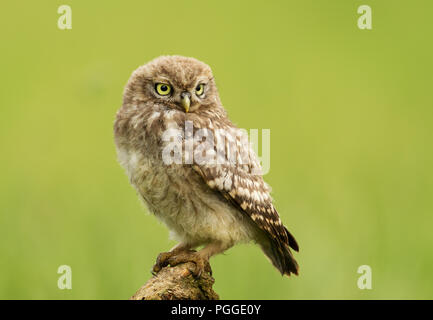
193 168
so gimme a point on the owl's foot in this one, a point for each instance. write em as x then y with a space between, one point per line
161 262
164 259
201 262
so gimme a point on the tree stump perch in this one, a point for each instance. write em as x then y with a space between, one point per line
177 283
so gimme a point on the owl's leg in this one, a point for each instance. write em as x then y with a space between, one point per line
200 258
163 258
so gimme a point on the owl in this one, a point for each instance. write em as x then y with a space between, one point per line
194 169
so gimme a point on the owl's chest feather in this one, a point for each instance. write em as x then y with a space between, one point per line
177 197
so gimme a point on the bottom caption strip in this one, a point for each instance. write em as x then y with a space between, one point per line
218 309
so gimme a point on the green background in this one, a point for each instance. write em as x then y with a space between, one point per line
350 114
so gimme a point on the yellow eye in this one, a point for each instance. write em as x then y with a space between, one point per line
163 89
199 89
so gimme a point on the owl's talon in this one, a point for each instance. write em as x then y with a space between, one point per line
201 263
161 261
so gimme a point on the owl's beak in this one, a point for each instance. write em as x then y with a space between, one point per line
185 100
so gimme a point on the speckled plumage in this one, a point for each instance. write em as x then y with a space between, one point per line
216 204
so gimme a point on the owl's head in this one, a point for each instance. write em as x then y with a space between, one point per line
176 82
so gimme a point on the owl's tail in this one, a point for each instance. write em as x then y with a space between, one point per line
280 255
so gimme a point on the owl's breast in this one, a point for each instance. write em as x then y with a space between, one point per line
178 197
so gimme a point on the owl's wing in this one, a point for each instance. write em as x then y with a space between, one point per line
242 184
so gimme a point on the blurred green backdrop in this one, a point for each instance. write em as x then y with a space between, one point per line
350 113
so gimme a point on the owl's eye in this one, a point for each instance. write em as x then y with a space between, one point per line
163 89
199 89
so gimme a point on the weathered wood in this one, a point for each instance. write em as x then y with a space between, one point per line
177 283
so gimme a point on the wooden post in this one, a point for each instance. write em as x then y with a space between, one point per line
177 283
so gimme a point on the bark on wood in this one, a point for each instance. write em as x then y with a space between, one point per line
177 283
